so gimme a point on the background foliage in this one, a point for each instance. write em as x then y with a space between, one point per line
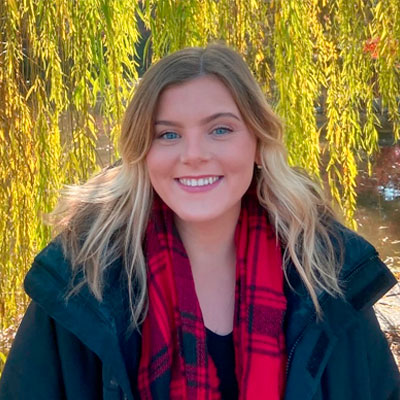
67 69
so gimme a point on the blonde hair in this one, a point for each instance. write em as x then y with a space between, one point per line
106 218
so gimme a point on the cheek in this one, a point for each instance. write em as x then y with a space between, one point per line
243 157
153 167
156 160
160 168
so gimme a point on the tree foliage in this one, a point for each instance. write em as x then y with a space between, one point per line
67 69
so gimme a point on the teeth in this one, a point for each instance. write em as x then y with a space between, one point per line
198 182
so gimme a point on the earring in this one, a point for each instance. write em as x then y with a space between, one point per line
259 166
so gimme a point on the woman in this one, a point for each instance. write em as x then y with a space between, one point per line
202 266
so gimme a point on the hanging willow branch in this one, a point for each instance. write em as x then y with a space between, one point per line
63 66
298 81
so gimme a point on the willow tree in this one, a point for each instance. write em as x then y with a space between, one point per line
67 69
62 64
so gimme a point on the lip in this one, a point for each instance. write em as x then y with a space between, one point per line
199 189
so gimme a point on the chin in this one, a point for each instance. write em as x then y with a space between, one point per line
195 218
207 214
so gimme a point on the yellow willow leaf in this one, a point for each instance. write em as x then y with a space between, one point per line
13 5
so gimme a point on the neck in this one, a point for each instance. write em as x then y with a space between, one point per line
211 239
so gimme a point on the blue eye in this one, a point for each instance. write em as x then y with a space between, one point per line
221 131
169 136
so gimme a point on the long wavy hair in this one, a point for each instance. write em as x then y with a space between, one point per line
106 218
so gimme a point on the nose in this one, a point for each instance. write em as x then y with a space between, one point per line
195 150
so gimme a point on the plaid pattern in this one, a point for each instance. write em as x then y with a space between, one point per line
174 362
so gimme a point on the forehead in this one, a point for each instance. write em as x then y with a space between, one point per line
200 95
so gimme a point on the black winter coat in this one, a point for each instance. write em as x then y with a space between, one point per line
76 350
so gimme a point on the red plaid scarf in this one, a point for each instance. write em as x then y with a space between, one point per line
174 361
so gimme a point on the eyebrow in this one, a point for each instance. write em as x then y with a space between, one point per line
203 121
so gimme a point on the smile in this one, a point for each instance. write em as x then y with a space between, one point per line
192 182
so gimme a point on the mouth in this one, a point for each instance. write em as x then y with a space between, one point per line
199 182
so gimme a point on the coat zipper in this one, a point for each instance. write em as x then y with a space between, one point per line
292 350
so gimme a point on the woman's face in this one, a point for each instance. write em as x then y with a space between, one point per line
202 157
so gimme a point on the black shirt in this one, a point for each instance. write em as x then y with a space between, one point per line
222 351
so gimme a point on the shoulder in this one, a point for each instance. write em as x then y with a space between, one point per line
49 283
354 247
51 273
50 277
363 276
49 267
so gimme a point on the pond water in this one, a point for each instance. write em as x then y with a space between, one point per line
378 213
